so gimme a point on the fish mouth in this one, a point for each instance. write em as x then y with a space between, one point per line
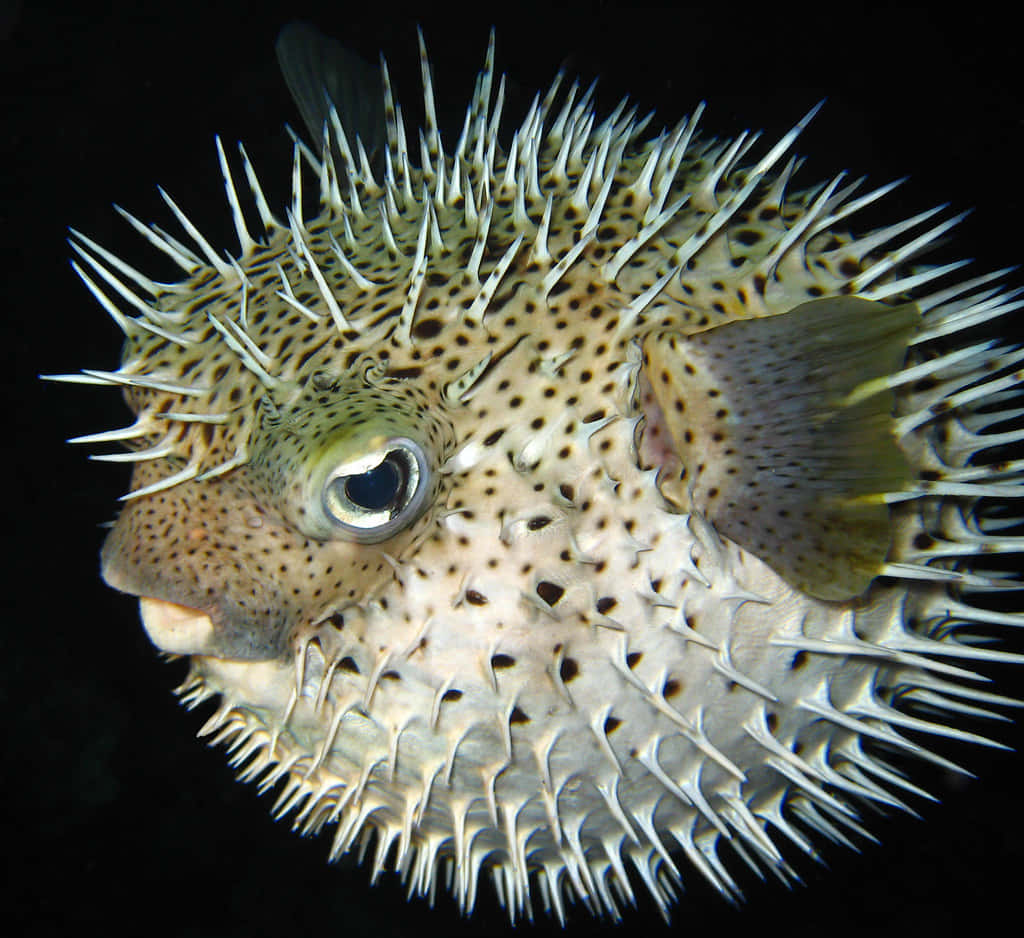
216 626
215 633
174 628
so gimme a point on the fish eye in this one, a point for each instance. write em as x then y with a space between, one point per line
380 493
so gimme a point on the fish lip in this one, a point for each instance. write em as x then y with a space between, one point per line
175 628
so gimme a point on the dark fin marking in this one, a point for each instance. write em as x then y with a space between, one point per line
775 450
319 70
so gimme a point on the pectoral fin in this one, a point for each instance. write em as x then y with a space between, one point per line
782 442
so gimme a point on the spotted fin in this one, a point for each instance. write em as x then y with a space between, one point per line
773 445
320 71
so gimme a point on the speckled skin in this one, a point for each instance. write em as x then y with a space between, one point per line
556 671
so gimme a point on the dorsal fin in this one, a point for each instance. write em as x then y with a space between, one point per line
776 450
318 69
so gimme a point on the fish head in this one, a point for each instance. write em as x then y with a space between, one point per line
232 565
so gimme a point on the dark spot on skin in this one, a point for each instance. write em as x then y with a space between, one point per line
568 669
499 661
427 328
549 592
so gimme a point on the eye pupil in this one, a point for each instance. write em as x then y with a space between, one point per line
370 505
376 489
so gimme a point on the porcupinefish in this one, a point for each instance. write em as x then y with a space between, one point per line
565 505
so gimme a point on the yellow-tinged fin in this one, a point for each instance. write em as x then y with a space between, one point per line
776 448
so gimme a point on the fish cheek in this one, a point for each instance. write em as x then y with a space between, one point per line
213 547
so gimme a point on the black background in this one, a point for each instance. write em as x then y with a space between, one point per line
115 818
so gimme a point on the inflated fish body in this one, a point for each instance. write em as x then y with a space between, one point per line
563 507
